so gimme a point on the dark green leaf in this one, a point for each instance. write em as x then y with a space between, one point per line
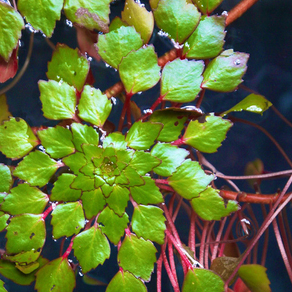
224 73
24 257
181 80
201 280
91 248
62 190
75 161
25 199
36 168
3 220
116 140
207 40
93 202
177 18
116 23
2 288
58 100
41 14
207 6
126 282
16 138
137 256
67 219
171 157
5 178
113 46
144 162
118 199
211 206
207 136
148 193
139 70
57 141
141 136
25 232
113 226
56 275
27 268
148 222
189 179
4 111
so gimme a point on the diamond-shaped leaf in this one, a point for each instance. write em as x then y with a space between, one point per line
69 66
139 70
75 161
116 140
3 220
207 136
171 157
58 99
2 288
55 275
224 73
91 248
118 199
144 162
25 199
93 202
125 281
113 226
41 14
36 168
142 135
137 256
5 178
67 219
137 15
148 222
83 182
181 80
16 138
25 232
113 46
10 29
189 179
207 40
94 107
207 6
177 18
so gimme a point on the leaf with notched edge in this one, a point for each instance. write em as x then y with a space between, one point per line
5 178
8 69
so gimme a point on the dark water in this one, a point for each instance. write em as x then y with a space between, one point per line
265 32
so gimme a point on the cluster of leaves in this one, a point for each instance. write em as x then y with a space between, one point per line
93 177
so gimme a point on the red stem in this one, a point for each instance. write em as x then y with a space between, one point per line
47 212
171 260
124 111
192 233
159 272
203 240
69 249
178 142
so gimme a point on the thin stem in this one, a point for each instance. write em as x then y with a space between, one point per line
170 223
177 208
266 240
192 233
203 240
281 116
124 111
200 99
171 260
159 273
69 249
219 234
284 238
153 107
49 210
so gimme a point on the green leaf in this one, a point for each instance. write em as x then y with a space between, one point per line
24 257
83 134
2 288
137 15
189 180
116 23
224 73
201 280
211 206
91 248
16 138
254 103
207 40
134 179
41 14
25 199
25 232
56 275
207 6
67 219
58 100
5 178
27 268
9 271
207 136
137 256
177 18
144 162
181 80
118 199
171 157
115 140
37 168
139 70
113 226
93 202
68 65
4 111
141 136
62 190
126 282
90 13
57 141
10 29
113 46
94 107
173 123
75 161
3 220
255 278
148 222
83 182
148 193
